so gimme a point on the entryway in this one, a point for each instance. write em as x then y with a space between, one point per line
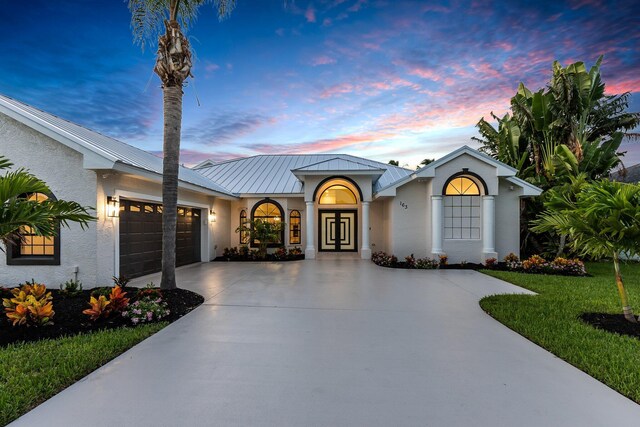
338 230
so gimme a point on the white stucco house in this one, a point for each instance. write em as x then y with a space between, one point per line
465 205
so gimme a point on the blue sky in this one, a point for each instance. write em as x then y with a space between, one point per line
402 80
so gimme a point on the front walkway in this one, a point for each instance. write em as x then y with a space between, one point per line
336 343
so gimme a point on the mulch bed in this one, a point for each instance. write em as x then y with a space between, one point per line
612 323
69 319
269 258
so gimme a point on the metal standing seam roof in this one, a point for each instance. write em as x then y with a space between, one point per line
104 146
272 174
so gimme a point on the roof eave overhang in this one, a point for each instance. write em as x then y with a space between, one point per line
528 190
374 173
156 177
91 159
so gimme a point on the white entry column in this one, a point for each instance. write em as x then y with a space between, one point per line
488 227
436 226
310 250
365 251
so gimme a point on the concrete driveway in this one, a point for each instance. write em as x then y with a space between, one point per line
336 343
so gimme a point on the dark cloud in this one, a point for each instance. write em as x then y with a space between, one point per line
220 128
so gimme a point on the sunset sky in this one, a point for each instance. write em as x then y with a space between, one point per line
403 80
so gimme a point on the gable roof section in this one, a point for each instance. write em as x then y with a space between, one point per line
100 151
429 171
274 174
338 164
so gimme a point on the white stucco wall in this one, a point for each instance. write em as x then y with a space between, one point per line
410 220
62 169
508 219
379 225
488 172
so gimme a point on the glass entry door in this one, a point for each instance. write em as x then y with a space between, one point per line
338 230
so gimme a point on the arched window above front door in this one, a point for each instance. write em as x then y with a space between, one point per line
338 195
462 205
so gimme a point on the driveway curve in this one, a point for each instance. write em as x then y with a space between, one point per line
336 343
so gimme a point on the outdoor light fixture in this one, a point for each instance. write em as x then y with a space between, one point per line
212 215
113 206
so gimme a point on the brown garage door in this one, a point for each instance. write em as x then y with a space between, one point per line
141 237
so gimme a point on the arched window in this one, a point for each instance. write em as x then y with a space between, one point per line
244 234
462 186
338 195
462 208
295 227
34 249
270 211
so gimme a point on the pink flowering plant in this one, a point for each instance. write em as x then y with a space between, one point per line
145 310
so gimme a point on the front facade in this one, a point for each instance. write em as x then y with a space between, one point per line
465 205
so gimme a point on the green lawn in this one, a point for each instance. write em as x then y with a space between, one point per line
33 372
550 319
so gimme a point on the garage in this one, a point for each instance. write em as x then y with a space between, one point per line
141 237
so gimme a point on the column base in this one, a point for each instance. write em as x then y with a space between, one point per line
310 253
487 255
365 253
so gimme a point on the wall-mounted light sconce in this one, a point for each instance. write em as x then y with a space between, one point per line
212 215
113 206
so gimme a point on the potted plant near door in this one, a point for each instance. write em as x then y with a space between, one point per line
262 232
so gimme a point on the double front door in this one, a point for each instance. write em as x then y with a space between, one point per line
338 230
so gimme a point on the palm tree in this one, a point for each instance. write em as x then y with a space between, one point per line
602 218
165 21
18 211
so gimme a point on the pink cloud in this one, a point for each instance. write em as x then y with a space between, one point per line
425 73
628 85
321 145
322 60
337 90
310 14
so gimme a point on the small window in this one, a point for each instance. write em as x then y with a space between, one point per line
244 235
148 208
34 249
134 207
295 228
159 209
181 211
338 195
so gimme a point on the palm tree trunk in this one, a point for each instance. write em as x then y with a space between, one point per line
626 308
172 103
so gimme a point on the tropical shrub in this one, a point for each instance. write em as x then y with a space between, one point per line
264 232
603 220
146 310
295 251
410 261
118 300
444 260
280 254
121 281
99 308
383 259
104 291
29 305
427 264
149 291
71 288
490 262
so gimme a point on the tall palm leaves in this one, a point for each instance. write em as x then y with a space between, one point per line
17 211
165 20
566 128
602 218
